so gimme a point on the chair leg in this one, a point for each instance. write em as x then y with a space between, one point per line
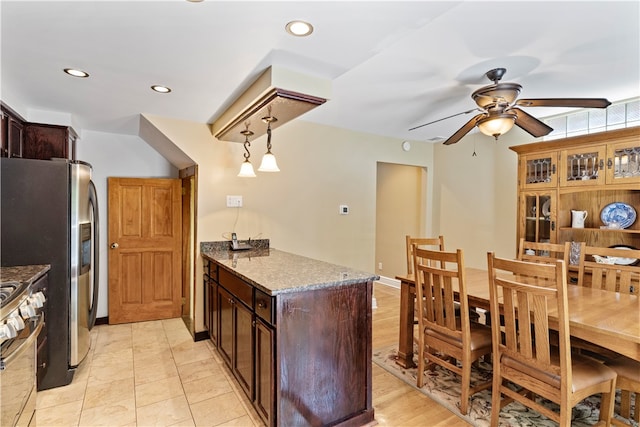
607 403
495 400
464 387
420 372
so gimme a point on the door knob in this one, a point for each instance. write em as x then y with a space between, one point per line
114 246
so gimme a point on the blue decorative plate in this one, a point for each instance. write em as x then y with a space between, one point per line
618 213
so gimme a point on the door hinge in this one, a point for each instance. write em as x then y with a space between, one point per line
184 191
183 300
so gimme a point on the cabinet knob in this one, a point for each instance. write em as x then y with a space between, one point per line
262 304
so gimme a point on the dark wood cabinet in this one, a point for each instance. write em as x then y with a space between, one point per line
34 140
225 319
302 357
264 371
41 285
210 281
43 141
12 133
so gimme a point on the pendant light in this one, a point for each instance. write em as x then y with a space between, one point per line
246 169
269 160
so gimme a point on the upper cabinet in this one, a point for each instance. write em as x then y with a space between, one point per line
586 174
34 140
12 133
42 141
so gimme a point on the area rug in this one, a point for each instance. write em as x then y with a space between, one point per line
443 386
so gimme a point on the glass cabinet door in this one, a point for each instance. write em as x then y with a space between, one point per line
539 170
623 163
538 217
582 166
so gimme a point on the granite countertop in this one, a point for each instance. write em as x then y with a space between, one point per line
23 273
277 272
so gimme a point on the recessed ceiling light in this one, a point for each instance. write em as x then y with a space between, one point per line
76 73
161 89
299 28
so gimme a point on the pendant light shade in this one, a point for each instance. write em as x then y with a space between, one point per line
268 163
246 169
269 160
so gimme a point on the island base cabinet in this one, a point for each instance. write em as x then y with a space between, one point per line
302 357
225 333
324 357
263 402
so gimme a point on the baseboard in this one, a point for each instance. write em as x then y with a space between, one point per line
102 320
201 336
388 281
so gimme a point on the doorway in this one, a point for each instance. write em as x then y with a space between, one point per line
400 210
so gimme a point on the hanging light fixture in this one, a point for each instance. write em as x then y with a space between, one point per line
496 124
246 169
269 160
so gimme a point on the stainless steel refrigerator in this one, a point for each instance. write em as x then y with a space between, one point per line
49 215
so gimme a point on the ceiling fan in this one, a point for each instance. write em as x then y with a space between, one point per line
498 107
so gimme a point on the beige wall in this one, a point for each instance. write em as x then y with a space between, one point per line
297 209
400 210
476 196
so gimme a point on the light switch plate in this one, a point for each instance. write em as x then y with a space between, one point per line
234 201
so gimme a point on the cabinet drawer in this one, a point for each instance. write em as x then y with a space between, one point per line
211 270
263 306
238 287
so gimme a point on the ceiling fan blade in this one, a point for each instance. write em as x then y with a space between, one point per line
530 124
445 118
464 129
565 102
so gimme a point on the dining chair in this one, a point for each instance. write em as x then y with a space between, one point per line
447 335
628 382
543 252
611 269
424 243
525 357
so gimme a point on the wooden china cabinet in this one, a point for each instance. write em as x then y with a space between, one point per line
585 173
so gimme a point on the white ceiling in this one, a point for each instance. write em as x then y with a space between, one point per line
393 65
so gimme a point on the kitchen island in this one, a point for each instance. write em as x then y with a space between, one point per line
295 332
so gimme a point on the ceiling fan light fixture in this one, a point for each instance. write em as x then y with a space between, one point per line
496 125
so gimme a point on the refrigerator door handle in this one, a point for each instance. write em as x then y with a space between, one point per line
93 201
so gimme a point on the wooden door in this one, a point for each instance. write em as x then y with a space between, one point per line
145 242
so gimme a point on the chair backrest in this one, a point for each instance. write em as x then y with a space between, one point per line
438 275
422 242
623 275
525 307
546 253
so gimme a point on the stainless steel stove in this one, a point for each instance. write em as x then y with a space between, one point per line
21 319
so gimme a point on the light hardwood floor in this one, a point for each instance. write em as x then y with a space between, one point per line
152 373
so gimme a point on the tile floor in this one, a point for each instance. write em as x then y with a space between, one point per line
146 374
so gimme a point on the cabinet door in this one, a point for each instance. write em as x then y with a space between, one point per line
264 369
242 360
580 167
539 170
46 142
537 211
213 315
225 325
623 163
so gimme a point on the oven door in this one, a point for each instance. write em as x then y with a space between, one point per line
18 379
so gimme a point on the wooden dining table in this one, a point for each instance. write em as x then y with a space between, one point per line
608 319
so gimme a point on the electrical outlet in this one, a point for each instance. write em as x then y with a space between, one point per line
344 210
234 201
379 266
